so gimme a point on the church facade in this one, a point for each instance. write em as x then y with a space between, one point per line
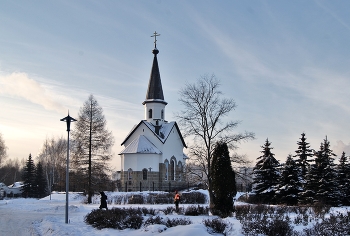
153 158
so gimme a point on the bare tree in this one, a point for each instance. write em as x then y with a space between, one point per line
203 118
53 158
92 143
3 149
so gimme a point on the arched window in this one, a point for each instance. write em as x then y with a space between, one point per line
180 168
150 113
144 174
129 174
166 162
172 169
162 114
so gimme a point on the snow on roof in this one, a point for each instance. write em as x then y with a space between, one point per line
164 130
141 145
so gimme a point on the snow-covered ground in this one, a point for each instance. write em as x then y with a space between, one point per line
47 217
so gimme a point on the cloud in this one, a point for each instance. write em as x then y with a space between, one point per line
20 85
341 147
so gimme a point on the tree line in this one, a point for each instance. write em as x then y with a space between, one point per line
90 148
308 177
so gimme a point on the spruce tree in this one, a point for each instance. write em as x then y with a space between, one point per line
321 185
290 183
223 181
40 182
266 175
28 177
343 179
303 155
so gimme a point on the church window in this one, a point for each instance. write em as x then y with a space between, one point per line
166 169
180 170
144 174
129 174
172 169
150 113
162 115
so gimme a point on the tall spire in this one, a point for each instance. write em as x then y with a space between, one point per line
155 90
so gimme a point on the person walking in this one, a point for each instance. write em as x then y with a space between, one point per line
103 201
177 201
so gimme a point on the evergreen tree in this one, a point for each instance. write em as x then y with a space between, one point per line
40 182
321 185
223 181
303 155
290 183
92 144
266 175
28 176
343 179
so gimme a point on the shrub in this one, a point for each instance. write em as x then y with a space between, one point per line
196 210
335 225
165 198
268 226
193 198
167 222
217 226
136 199
169 210
115 218
242 211
320 209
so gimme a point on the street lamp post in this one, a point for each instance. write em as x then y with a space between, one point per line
68 119
50 182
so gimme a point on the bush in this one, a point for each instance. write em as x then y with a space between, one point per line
242 211
136 199
336 225
115 218
217 226
168 210
268 226
165 198
193 198
196 210
167 222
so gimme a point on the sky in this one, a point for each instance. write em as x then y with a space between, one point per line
285 63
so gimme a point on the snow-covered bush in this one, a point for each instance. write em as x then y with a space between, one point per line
196 210
217 225
115 218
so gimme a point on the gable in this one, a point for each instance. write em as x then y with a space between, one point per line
164 131
141 145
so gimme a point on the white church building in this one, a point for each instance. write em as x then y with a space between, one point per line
153 157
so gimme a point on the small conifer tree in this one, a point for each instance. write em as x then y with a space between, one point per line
223 181
343 179
40 182
290 183
28 176
266 175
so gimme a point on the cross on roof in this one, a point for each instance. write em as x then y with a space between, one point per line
155 38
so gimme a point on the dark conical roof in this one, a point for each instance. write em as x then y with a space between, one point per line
155 90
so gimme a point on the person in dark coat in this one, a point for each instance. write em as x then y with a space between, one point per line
103 201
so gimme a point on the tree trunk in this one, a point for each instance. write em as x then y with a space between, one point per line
90 143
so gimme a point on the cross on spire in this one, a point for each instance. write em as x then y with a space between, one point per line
155 34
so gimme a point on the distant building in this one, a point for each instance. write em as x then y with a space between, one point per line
153 156
244 179
13 190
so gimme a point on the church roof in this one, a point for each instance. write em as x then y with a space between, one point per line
164 131
155 90
141 145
